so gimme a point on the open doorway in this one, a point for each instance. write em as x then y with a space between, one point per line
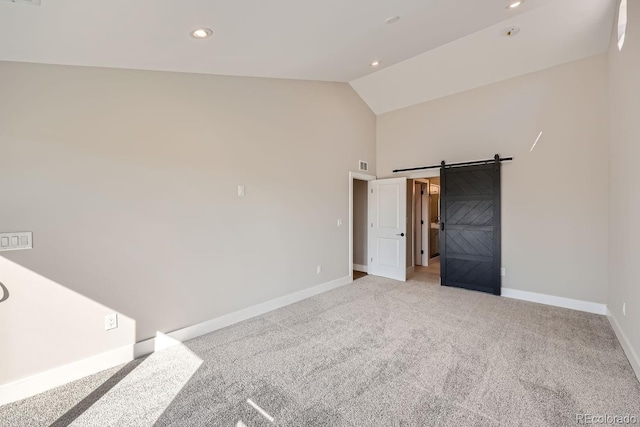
358 219
425 219
360 207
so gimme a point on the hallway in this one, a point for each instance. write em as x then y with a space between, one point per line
428 274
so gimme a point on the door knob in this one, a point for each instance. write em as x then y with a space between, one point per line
401 234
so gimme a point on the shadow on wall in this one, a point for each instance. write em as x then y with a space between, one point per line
5 293
43 317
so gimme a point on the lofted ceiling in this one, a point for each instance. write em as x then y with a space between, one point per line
333 40
555 33
436 48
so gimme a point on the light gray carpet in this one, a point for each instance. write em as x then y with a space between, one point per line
373 353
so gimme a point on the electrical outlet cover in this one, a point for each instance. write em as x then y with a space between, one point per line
110 321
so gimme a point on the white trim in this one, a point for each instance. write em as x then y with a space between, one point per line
362 268
426 174
411 238
56 377
362 177
634 360
424 258
152 344
574 304
52 378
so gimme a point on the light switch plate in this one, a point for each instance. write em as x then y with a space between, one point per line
240 190
16 241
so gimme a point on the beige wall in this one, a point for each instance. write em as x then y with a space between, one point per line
360 208
43 323
128 180
560 251
624 151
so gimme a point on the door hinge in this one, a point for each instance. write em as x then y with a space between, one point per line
422 222
421 252
421 191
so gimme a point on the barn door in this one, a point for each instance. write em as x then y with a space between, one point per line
470 227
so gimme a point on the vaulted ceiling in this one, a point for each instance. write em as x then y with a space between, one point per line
333 40
558 32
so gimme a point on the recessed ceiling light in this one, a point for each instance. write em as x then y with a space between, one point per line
514 4
201 33
392 19
375 63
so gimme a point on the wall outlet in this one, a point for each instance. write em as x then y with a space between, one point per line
503 271
318 269
339 222
110 321
240 190
624 308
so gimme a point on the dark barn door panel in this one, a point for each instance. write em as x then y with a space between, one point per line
470 227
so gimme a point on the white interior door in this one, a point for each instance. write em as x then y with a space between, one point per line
387 236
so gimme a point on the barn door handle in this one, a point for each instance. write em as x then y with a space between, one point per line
401 234
442 226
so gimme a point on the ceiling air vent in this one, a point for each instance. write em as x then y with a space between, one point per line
364 166
31 2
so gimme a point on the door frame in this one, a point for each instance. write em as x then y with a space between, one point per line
361 177
425 174
415 195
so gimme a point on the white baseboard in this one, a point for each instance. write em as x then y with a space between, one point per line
52 378
153 344
574 304
634 360
47 380
359 267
